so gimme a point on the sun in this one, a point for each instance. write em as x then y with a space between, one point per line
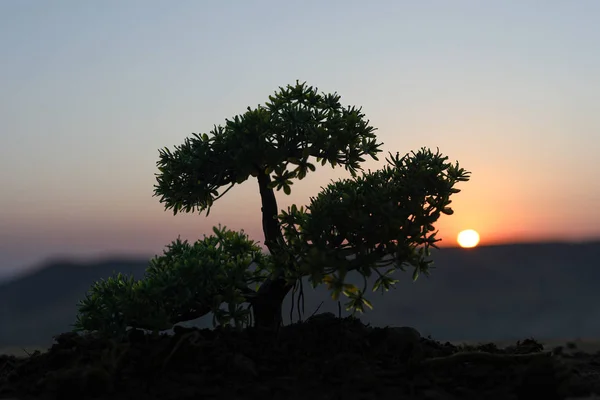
468 238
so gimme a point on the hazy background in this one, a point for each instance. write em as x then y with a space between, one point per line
547 291
89 91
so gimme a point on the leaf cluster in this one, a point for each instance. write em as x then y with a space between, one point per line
186 282
354 224
296 123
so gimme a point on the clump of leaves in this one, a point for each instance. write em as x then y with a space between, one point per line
378 222
188 280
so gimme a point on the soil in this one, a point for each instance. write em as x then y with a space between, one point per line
322 358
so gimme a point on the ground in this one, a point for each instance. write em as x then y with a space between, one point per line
323 358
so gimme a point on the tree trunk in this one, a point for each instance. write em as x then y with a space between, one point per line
266 306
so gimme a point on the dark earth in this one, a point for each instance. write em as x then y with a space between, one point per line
324 357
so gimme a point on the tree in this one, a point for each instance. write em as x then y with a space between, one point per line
352 225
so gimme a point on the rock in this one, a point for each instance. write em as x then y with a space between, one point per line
245 365
402 340
326 316
405 333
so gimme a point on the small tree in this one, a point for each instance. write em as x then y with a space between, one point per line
353 224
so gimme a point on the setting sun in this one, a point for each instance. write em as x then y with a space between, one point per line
468 238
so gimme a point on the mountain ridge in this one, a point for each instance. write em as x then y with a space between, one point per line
498 292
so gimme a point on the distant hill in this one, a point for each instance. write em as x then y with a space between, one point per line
502 292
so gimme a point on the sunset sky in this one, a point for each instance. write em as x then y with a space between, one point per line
90 90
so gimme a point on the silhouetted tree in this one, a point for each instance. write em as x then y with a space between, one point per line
353 224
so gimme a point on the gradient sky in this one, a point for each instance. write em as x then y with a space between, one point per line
90 90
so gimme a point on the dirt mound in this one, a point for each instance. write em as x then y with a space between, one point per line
322 358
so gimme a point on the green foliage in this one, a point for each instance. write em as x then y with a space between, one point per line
295 124
387 212
187 281
378 222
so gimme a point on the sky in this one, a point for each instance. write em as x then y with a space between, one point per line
89 91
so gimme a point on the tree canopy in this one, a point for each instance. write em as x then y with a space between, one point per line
295 124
